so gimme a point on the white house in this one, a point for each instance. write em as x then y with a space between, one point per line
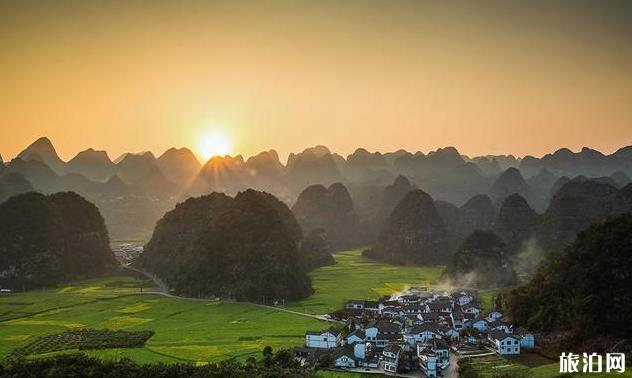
355 305
501 325
326 339
493 315
359 350
356 336
451 333
463 297
345 359
370 331
437 346
428 362
480 323
504 342
470 308
373 306
458 320
406 299
423 332
391 357
527 339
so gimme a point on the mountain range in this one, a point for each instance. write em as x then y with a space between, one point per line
134 190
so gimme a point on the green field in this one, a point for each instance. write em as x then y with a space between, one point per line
199 331
186 330
355 277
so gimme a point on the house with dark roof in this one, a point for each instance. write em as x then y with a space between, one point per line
345 358
458 320
504 343
423 332
470 308
428 362
390 355
355 304
372 306
494 314
501 325
408 299
439 306
480 323
357 336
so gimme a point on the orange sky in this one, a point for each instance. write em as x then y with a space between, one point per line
485 76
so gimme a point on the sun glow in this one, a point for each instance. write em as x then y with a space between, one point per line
216 143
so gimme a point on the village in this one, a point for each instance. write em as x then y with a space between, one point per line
416 333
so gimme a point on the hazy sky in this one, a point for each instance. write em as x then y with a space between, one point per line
485 76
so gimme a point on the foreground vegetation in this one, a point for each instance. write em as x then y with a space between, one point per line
584 291
279 364
82 339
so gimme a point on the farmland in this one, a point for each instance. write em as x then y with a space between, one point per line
355 277
189 330
185 330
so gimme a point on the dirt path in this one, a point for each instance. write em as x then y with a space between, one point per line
159 284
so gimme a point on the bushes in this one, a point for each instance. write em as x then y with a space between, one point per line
78 365
83 339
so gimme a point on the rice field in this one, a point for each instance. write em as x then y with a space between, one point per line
355 277
185 330
196 331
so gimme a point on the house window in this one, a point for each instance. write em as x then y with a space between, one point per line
324 339
515 342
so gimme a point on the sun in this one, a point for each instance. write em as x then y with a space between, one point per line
216 143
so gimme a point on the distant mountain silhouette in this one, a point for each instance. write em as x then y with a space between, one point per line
179 166
42 150
587 162
40 175
95 165
476 214
221 174
134 191
312 166
133 167
510 182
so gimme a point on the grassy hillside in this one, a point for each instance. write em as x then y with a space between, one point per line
355 277
185 330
